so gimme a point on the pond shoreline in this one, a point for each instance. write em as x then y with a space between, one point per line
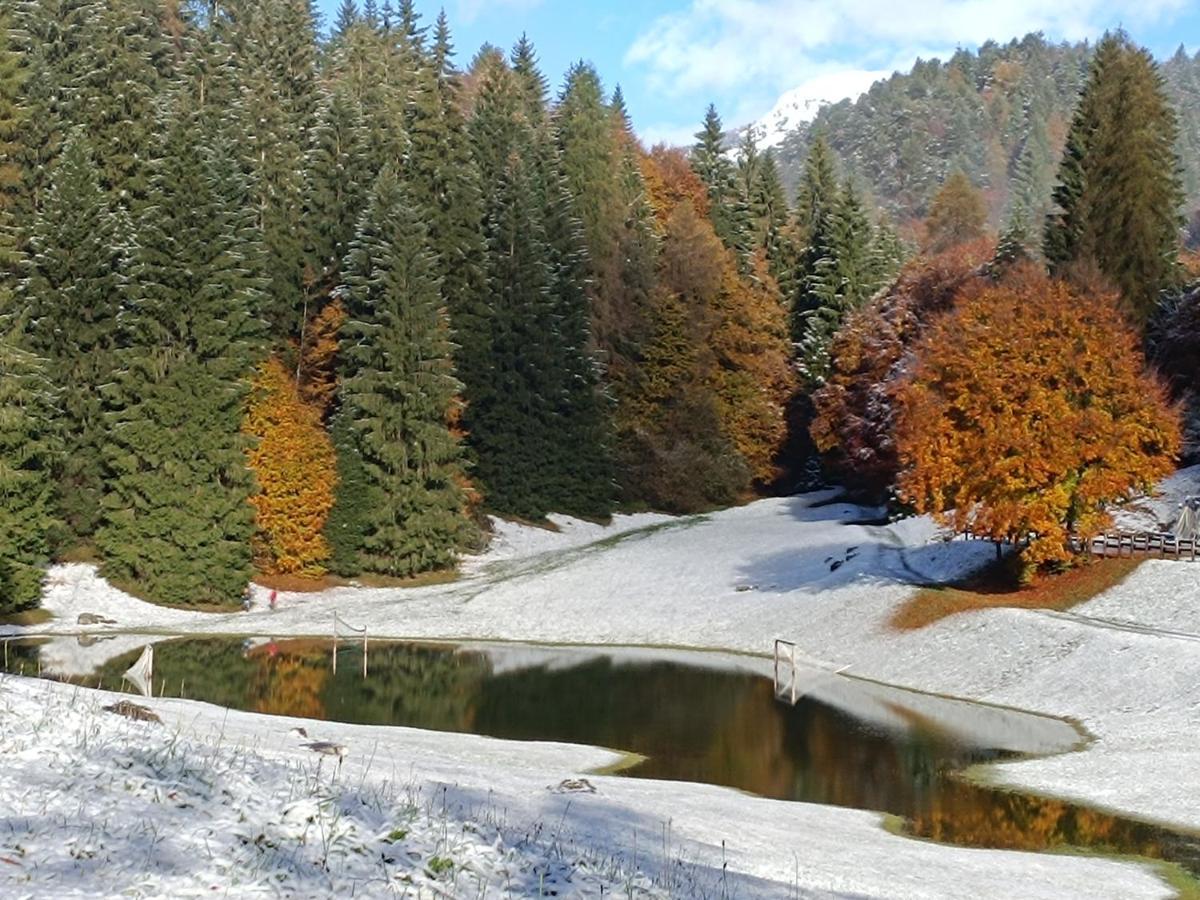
733 581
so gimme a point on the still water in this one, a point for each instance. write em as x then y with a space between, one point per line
842 743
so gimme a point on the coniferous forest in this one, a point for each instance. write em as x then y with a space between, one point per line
287 299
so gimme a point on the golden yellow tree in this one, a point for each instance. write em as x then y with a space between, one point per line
296 467
1029 412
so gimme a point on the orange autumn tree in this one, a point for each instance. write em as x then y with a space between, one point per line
296 467
317 369
1029 411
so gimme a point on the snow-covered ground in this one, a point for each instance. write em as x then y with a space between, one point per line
1126 666
223 803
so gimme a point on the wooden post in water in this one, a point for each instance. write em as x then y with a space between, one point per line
364 655
335 643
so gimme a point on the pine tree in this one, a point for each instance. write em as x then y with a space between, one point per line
346 527
399 392
1119 195
177 521
72 293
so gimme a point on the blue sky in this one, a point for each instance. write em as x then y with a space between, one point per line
672 57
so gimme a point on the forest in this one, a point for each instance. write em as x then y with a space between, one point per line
282 299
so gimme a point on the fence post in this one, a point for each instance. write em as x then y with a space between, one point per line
335 643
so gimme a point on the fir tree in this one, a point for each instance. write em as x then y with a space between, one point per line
177 520
72 293
399 392
1119 192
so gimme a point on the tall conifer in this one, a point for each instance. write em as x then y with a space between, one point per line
177 519
1119 195
399 393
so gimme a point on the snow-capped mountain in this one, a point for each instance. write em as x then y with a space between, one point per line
801 104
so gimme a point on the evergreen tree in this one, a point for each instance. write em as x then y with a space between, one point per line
347 18
275 47
346 527
337 185
14 119
718 174
399 392
177 521
845 278
600 168
28 448
818 195
72 294
1119 195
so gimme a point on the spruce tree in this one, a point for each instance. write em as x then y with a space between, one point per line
817 196
399 392
726 209
1119 196
337 184
72 294
29 448
177 521
601 173
845 278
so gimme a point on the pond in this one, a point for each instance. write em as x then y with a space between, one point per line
844 742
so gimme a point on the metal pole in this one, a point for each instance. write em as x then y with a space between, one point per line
793 674
334 643
364 653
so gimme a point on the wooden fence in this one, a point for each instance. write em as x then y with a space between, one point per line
1131 544
1162 545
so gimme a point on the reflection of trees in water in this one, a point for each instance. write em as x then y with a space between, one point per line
426 687
693 724
982 817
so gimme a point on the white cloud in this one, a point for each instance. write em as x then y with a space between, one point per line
722 45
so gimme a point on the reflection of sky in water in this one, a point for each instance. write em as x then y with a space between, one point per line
694 717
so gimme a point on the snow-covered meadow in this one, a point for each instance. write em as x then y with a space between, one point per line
1126 666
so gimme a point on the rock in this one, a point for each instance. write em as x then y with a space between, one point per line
94 619
574 786
133 711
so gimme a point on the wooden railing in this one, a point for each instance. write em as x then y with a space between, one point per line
1130 544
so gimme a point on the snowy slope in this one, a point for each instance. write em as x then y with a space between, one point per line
1125 665
800 105
216 803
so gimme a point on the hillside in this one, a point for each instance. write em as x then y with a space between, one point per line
1000 114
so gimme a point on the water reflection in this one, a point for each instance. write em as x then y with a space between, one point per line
693 724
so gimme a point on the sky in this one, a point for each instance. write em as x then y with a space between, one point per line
673 57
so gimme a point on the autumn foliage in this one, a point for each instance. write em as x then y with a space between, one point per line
318 357
294 462
1028 412
855 410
